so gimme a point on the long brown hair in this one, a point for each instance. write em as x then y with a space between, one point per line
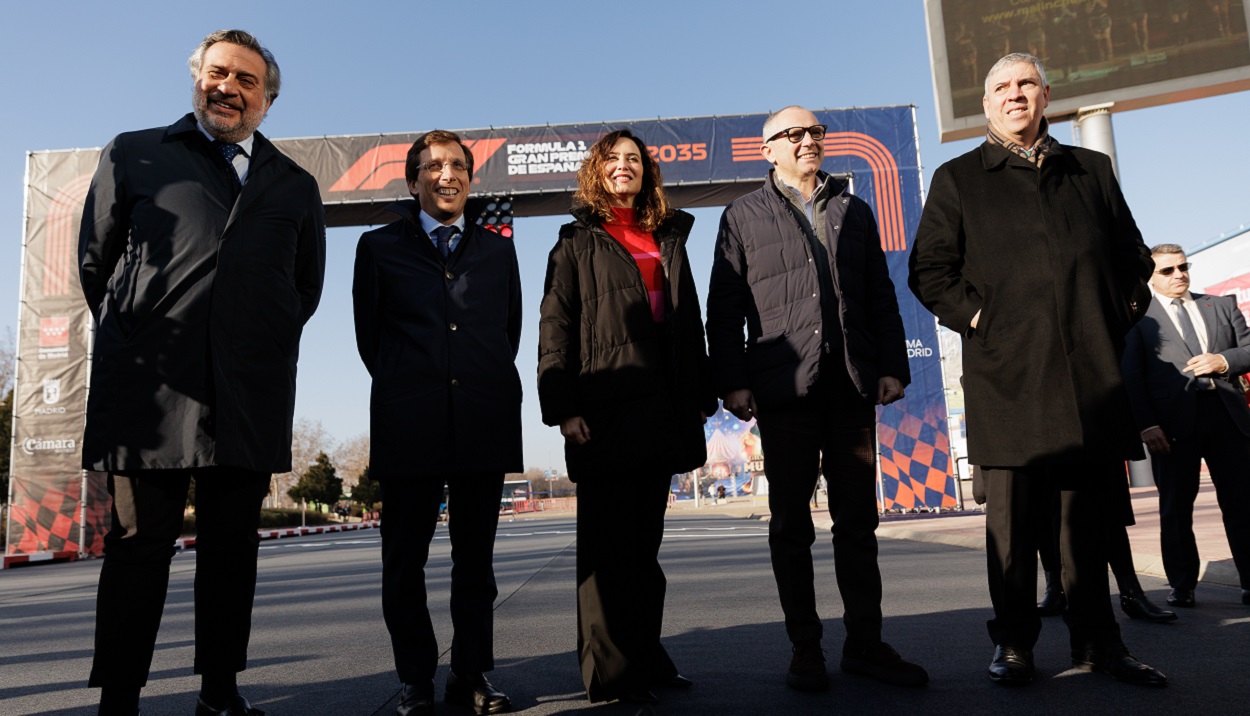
650 206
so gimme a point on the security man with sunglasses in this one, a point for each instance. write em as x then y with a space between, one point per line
1181 366
799 263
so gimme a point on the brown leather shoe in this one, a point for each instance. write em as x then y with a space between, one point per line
879 661
807 667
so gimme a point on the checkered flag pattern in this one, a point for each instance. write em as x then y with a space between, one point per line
915 460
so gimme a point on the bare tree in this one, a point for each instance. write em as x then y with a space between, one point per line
351 458
308 439
8 361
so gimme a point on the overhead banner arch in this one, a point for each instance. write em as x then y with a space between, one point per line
707 161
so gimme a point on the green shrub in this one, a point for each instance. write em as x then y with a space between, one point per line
269 519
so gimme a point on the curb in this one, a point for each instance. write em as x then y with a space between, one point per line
189 542
17 560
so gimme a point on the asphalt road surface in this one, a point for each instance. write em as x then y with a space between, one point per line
319 645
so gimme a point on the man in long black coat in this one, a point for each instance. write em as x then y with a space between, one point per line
438 323
1027 249
202 254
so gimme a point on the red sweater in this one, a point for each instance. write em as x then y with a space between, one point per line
646 252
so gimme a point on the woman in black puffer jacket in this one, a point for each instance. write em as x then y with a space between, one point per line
622 370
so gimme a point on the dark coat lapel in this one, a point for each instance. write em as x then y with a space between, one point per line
265 165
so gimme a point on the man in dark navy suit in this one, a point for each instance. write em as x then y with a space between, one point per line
438 323
1181 366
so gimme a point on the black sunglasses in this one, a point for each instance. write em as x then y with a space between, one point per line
795 134
1183 268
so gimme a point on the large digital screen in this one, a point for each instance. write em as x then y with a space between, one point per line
1133 53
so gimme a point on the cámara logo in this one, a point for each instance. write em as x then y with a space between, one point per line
30 446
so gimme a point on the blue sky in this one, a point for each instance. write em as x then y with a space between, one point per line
80 72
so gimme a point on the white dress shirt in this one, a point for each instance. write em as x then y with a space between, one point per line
429 223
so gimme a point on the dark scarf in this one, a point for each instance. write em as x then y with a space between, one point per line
1036 154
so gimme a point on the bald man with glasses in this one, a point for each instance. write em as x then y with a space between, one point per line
799 263
1181 366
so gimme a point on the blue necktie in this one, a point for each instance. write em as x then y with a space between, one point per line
443 235
230 151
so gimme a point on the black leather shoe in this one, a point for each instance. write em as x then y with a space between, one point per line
1054 601
474 690
1181 598
416 700
676 681
1121 666
1011 666
1137 606
238 707
1245 597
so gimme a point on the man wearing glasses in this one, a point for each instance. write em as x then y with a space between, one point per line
438 322
1181 366
799 263
1028 250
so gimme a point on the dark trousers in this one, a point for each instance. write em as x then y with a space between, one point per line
147 519
1227 452
1119 551
831 430
408 521
620 584
1018 501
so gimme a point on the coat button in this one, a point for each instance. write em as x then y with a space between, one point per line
454 382
449 275
453 326
836 228
817 331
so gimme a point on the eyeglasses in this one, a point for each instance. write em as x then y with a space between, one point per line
795 134
439 167
1167 271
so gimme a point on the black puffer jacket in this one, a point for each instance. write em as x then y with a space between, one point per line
764 274
639 385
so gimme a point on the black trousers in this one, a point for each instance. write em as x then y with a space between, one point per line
409 517
1018 501
831 430
147 520
1227 452
1119 549
620 584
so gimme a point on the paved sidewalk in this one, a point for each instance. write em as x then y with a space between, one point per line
966 528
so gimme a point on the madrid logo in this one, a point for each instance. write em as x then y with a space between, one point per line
51 391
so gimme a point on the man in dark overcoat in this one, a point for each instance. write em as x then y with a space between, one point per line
438 323
1181 366
799 265
201 254
1027 249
